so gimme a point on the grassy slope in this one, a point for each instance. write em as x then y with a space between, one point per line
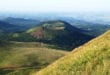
22 58
93 58
59 33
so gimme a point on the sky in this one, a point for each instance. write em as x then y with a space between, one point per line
30 6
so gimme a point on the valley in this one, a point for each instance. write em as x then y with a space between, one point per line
28 46
22 58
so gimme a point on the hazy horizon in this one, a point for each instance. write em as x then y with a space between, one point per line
55 6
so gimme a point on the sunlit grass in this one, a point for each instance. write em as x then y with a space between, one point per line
93 58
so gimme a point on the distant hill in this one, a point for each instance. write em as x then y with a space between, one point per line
94 29
59 33
7 27
93 58
22 22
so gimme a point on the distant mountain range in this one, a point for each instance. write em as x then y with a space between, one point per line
7 27
94 29
21 21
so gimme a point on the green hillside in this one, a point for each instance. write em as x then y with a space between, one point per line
93 58
59 33
22 58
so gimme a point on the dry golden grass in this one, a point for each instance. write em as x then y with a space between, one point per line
93 58
22 58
